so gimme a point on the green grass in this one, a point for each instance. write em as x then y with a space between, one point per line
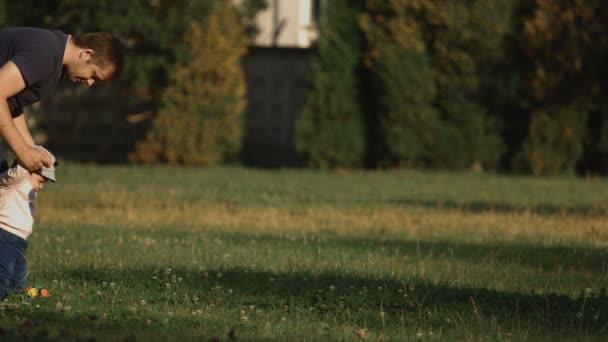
160 253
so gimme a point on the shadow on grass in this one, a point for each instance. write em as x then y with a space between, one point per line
558 258
545 258
504 207
346 299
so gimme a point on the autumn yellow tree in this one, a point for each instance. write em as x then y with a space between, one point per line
200 118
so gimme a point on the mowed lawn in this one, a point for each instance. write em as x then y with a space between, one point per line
171 253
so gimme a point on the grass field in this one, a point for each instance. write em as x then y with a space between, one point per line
168 253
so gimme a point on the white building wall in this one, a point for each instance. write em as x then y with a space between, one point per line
286 23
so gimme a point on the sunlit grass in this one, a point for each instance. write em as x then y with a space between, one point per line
382 222
157 252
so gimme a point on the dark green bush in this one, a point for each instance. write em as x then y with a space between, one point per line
330 131
555 141
408 122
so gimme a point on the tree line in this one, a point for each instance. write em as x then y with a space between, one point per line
505 85
508 85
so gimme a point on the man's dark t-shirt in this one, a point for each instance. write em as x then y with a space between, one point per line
38 54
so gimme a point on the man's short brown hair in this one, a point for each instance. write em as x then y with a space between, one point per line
108 51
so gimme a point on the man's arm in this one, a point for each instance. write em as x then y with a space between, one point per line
11 83
21 124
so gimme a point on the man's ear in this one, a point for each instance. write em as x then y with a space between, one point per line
86 54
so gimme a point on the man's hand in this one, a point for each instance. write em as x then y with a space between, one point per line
33 159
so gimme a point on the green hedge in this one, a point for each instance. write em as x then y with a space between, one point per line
330 131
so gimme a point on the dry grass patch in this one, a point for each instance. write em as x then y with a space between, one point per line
380 222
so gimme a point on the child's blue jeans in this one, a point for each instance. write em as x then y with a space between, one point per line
13 267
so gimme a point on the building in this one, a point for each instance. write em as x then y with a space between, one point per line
277 71
287 24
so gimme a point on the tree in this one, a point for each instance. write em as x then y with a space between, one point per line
467 42
200 119
3 16
330 131
461 43
565 45
404 123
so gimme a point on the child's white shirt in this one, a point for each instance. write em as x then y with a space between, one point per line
17 201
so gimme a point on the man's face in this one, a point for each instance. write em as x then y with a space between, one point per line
83 71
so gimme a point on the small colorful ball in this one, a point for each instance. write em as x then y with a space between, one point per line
31 291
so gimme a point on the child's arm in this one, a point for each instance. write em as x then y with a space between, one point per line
13 175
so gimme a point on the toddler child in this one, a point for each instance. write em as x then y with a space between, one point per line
18 189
